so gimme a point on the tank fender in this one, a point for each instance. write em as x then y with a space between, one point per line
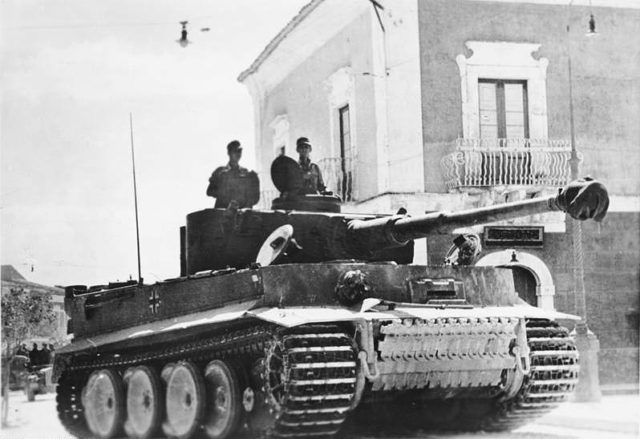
383 310
533 312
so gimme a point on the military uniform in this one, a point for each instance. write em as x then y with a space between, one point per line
229 183
312 182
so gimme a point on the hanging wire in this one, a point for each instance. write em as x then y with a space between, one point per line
73 26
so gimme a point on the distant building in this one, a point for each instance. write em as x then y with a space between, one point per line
11 278
451 104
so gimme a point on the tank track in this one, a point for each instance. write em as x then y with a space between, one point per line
319 372
320 363
553 376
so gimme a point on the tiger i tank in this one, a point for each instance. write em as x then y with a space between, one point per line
291 322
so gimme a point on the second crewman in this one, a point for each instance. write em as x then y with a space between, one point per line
312 182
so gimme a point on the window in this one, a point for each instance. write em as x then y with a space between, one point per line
503 109
504 61
503 115
346 185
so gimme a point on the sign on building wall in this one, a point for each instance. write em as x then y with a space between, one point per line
527 236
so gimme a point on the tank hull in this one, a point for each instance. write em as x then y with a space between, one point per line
417 334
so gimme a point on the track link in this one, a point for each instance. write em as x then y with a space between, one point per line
554 375
311 374
69 404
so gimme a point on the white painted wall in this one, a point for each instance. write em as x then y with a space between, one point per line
404 108
325 62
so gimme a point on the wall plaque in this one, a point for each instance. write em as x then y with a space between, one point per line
521 236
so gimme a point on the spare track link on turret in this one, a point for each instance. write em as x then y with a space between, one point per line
318 364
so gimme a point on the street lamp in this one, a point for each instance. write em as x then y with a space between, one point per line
588 388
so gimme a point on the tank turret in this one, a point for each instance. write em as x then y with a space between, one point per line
220 238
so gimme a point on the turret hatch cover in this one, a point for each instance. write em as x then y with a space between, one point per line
286 174
275 245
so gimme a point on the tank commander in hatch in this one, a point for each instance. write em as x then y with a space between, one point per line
312 182
233 183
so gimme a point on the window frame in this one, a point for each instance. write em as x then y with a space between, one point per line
501 113
344 111
509 61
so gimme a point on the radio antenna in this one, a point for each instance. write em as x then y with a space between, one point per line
135 195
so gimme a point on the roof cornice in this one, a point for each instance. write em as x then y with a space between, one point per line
273 44
313 27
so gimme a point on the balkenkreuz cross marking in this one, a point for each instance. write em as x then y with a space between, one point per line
154 301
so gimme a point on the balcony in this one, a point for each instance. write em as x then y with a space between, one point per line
339 175
507 162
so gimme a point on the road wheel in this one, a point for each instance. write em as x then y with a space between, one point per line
145 402
224 402
185 400
103 401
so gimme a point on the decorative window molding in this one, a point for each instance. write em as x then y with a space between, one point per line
280 139
340 88
509 61
545 288
340 166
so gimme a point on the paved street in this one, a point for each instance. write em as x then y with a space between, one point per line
615 417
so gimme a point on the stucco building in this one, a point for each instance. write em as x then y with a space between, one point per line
11 278
451 104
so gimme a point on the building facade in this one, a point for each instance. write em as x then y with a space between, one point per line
452 104
12 279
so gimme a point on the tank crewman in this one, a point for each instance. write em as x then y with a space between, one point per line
233 182
312 182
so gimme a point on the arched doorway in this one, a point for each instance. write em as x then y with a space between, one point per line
530 274
526 284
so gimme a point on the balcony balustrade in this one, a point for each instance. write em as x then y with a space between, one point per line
266 198
504 162
339 175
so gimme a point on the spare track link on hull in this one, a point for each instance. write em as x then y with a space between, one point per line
315 392
553 376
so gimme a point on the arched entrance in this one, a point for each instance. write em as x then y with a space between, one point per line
526 284
531 276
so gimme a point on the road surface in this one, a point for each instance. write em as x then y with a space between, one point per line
615 417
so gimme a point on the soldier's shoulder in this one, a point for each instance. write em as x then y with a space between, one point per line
220 170
245 171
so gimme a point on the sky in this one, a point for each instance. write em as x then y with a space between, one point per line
71 72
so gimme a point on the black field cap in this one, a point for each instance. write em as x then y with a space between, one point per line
234 146
302 142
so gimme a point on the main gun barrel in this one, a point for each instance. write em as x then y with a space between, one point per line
582 199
